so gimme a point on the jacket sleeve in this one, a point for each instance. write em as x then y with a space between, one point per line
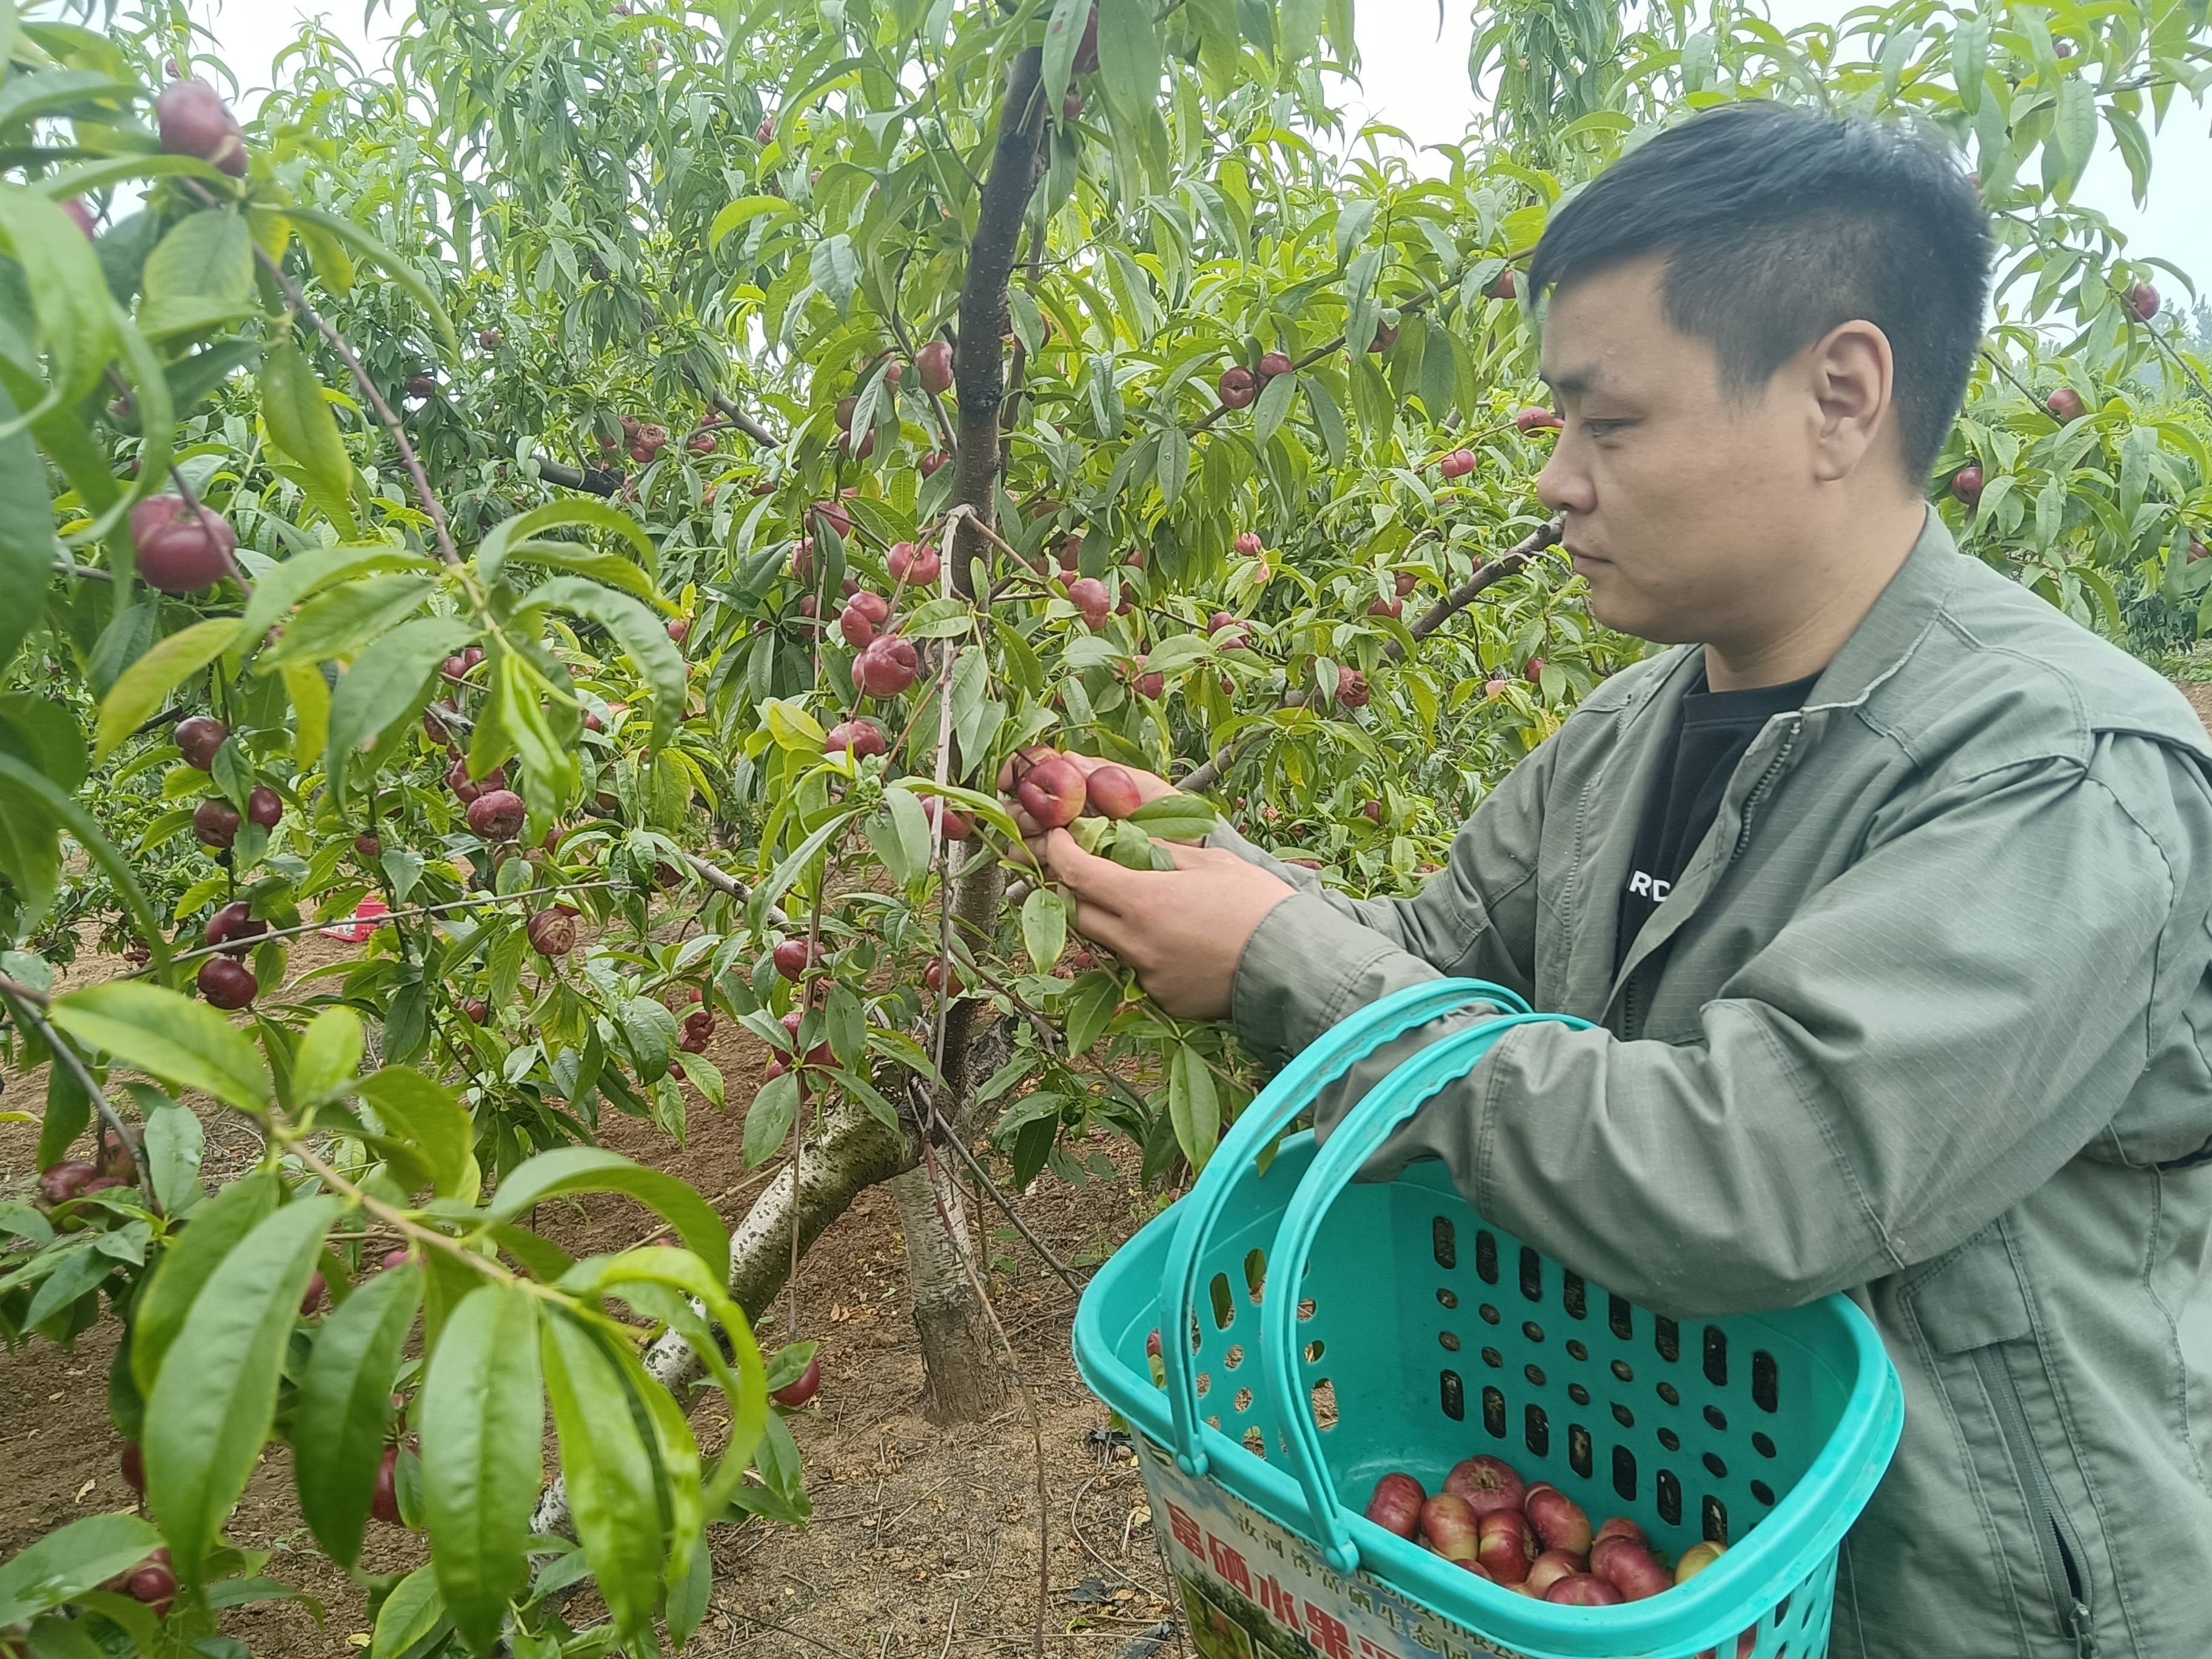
1319 954
1928 1041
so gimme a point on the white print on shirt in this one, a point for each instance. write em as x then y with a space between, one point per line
1649 887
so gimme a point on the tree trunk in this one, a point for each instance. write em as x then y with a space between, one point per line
961 1379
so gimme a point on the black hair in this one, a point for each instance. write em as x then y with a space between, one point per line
1780 223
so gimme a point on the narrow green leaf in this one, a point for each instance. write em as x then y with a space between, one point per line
70 1560
1044 927
169 1036
594 1169
329 1055
609 1471
175 1145
642 636
383 686
200 275
138 692
28 547
346 620
86 829
388 262
509 533
69 294
429 1118
1129 56
301 424
413 1610
1193 1106
482 1421
769 1119
306 574
215 1397
339 1416
187 1262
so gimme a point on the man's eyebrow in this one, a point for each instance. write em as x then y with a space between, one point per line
1572 383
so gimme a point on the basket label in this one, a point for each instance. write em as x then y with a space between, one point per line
1250 1590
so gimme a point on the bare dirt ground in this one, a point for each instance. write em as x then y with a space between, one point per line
924 1539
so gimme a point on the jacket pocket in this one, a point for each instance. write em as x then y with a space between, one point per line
1971 1308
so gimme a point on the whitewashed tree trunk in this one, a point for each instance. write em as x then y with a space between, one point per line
961 1377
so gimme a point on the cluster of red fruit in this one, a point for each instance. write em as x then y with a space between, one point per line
1533 1539
1055 791
640 440
1238 386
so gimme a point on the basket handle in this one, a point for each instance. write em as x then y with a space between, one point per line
1369 1124
1322 1063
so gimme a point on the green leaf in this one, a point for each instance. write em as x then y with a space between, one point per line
301 424
1044 927
81 824
198 276
70 1560
169 1036
28 547
383 685
215 1397
69 1111
609 1472
1176 818
139 691
641 635
413 1610
386 261
304 575
1129 56
1274 405
1193 1106
175 1146
482 1417
688 1596
1062 36
344 621
430 1119
1970 59
329 1055
836 270
744 211
509 533
769 1119
2073 131
594 1169
69 294
188 1262
338 1415
1090 1009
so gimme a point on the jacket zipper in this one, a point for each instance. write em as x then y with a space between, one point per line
1751 801
2064 1562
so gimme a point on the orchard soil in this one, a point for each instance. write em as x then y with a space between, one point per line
924 1540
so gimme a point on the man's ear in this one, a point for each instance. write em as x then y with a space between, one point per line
1853 379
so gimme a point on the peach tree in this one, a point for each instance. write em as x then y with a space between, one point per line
644 590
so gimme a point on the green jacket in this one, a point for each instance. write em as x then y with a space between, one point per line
1929 1026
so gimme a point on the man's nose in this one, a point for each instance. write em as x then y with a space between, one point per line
1565 485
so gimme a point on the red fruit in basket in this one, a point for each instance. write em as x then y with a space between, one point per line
215 823
1557 1519
198 736
1449 1527
1486 1482
1053 794
1548 1568
1696 1558
1508 1548
1619 1526
1631 1568
1583 1589
1396 1505
793 958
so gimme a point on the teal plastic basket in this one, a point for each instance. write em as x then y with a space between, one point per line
1333 1332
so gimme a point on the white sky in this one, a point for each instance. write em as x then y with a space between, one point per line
1417 81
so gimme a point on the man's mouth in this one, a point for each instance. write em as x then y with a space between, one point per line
1584 560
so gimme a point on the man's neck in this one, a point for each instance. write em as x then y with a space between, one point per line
1838 586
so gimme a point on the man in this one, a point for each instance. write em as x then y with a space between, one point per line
1887 890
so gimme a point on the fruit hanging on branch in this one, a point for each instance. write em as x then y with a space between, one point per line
1236 387
227 984
198 736
855 737
886 667
215 823
193 120
552 933
496 814
182 547
234 927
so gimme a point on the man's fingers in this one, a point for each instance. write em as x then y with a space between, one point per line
1191 855
1089 877
1103 927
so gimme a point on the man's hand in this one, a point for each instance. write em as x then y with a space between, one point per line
1184 930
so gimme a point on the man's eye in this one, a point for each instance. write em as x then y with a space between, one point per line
1602 428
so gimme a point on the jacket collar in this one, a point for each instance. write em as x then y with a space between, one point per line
1899 620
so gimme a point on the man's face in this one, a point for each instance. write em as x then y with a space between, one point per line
1683 504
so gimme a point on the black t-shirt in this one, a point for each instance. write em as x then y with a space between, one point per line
1714 729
